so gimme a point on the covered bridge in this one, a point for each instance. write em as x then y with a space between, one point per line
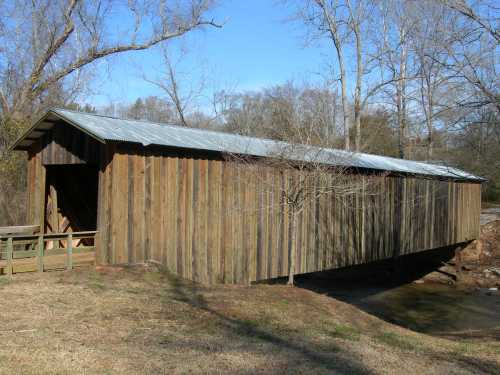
168 193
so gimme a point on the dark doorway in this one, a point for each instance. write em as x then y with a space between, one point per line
71 198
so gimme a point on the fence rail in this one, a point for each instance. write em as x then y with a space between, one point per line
45 251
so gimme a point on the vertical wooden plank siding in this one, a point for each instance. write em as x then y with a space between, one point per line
36 176
212 221
66 145
104 205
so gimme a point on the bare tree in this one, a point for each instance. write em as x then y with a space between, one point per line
304 169
150 108
393 49
182 90
363 17
272 112
329 18
64 36
48 46
401 95
332 22
429 54
356 17
489 23
473 49
170 84
347 23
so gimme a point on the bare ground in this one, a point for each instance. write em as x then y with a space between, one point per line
480 261
137 321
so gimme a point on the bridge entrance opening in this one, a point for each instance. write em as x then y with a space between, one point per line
71 198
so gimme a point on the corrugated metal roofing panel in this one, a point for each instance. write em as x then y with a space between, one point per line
147 133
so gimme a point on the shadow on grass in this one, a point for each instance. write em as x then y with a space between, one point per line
491 334
475 365
381 275
423 308
427 308
251 330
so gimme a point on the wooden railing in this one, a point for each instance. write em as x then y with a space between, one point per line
42 252
19 229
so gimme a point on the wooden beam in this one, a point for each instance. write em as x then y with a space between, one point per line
20 229
40 253
10 250
69 264
52 121
54 215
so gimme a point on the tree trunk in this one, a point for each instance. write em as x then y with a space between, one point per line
357 93
404 127
399 113
429 119
430 132
401 102
401 118
343 83
430 145
337 41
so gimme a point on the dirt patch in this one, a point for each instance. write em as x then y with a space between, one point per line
480 262
138 321
481 259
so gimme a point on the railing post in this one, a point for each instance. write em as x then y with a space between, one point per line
40 253
69 263
10 250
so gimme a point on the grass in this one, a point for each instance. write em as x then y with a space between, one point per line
397 341
495 347
346 332
465 348
334 330
146 322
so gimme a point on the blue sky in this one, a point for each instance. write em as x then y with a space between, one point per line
256 48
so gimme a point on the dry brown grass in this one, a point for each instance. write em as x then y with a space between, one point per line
146 322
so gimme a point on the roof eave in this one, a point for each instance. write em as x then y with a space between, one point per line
16 145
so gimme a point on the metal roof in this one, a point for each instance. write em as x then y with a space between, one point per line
104 128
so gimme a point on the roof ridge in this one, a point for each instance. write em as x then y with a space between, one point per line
109 116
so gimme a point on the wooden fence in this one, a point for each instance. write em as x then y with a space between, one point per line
43 252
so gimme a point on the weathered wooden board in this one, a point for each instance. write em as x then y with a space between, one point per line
35 199
66 145
51 262
20 229
211 220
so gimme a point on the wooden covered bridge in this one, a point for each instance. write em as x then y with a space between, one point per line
169 194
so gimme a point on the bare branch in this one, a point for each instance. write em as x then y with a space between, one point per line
465 10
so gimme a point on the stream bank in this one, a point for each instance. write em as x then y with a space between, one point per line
479 266
427 292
